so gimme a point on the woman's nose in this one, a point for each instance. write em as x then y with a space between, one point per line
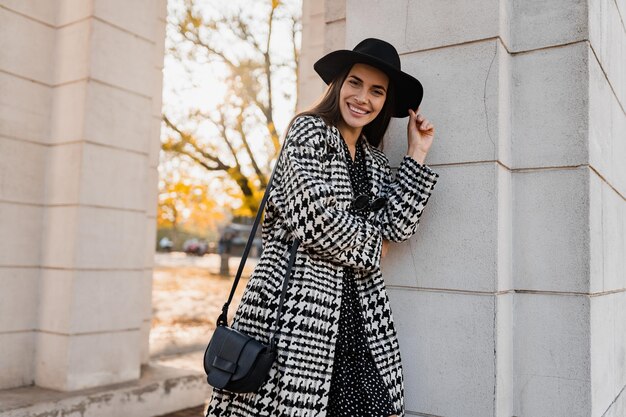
360 99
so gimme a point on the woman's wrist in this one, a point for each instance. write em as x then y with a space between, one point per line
419 156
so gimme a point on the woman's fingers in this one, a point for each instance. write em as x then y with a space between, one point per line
421 122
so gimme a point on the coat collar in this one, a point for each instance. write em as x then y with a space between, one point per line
374 165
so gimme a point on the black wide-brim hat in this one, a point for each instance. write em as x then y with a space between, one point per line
382 55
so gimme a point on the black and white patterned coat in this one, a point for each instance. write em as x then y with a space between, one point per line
309 199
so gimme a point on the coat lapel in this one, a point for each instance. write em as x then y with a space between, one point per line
374 167
374 170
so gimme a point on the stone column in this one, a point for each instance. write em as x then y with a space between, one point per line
310 85
81 97
510 299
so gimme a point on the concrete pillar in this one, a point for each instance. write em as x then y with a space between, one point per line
311 49
510 299
80 126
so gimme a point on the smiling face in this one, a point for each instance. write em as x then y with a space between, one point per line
362 96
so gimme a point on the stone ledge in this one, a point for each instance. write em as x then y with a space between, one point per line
160 390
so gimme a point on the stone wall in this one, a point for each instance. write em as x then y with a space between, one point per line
79 141
510 300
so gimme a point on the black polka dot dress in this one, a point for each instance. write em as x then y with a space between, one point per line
357 389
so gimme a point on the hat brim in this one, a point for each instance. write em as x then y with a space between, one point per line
408 90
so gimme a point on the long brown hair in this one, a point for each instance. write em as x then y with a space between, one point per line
327 107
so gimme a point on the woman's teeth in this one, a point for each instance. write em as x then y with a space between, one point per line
354 109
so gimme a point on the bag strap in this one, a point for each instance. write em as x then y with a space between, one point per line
223 317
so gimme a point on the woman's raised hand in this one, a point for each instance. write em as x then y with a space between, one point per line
420 135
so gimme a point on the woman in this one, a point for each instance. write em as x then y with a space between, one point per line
334 191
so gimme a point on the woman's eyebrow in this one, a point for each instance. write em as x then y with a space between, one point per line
375 86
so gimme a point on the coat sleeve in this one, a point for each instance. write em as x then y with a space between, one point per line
306 203
407 196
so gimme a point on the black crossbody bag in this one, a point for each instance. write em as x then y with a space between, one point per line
233 360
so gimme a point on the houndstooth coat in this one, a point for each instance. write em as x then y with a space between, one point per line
309 200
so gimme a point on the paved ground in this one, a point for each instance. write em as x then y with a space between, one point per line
187 296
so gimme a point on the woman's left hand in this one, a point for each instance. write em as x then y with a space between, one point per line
420 135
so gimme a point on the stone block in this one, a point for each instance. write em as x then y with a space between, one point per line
620 340
618 408
333 9
549 124
552 363
93 237
313 7
467 113
159 43
504 281
117 118
106 301
316 29
335 36
504 334
113 178
538 25
16 361
118 58
307 60
24 108
27 46
607 36
161 9
56 300
152 192
136 17
613 239
60 240
313 88
18 299
621 7
96 175
157 92
74 46
145 342
70 11
596 235
422 25
455 245
22 171
67 120
551 230
145 296
75 302
154 142
619 150
151 233
606 330
607 124
68 363
446 341
22 223
45 12
63 173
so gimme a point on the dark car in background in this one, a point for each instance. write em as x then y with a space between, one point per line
196 247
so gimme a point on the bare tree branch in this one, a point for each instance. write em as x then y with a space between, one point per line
242 133
234 40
